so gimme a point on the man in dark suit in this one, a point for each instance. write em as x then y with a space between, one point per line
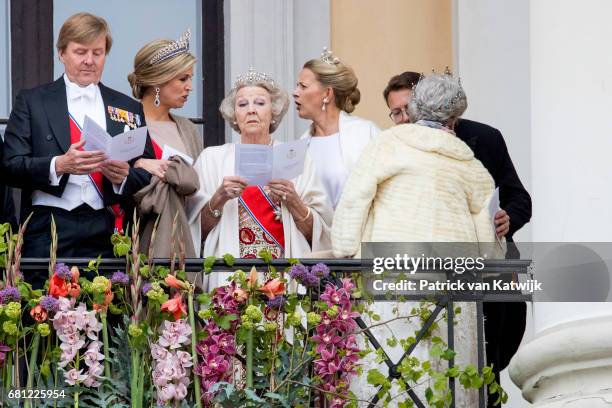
43 152
504 322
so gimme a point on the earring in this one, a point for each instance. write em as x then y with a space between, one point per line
274 121
235 123
325 102
156 102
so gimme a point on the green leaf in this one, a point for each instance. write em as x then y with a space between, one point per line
452 372
229 260
225 321
181 275
429 394
293 261
375 377
279 398
204 299
266 256
448 354
435 351
209 262
252 396
392 341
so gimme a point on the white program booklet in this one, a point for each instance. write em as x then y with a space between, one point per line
169 151
122 147
493 209
259 164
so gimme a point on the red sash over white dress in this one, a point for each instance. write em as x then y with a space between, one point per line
260 226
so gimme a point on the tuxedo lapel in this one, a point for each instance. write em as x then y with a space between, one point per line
113 127
56 107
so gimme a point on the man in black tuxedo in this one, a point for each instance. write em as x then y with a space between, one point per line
504 322
43 152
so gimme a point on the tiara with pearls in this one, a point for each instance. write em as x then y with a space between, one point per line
253 77
180 46
328 57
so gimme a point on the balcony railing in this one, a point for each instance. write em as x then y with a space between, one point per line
443 301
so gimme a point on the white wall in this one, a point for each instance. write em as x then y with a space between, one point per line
571 82
492 56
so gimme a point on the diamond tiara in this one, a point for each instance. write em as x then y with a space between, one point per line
253 77
328 57
180 46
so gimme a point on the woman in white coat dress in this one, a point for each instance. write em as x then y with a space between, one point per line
289 218
326 93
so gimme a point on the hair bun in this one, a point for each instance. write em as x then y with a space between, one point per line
352 100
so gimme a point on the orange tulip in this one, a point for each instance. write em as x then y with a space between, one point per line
273 288
176 283
252 279
58 287
175 306
75 274
74 290
108 298
39 314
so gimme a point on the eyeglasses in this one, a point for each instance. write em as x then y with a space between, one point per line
397 115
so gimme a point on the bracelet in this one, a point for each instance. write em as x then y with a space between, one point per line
214 213
306 217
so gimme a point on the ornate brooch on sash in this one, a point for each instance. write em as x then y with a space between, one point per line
132 120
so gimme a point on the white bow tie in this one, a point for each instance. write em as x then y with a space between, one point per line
88 92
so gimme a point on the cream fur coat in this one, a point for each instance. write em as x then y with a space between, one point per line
414 184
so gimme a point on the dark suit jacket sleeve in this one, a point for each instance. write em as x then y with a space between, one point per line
21 169
513 197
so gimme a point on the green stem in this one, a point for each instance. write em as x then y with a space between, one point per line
33 358
249 359
9 365
194 355
76 400
134 382
107 371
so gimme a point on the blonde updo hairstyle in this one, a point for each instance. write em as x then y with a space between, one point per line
146 76
278 98
341 78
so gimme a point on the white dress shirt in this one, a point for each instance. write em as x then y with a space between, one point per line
79 189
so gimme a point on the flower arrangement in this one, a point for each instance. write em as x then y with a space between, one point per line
140 335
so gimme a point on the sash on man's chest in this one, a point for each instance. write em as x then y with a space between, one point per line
97 178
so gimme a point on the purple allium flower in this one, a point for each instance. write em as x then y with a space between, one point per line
9 294
320 270
120 278
310 280
63 271
277 303
49 303
146 287
298 271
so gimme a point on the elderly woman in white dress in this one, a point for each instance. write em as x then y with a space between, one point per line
420 183
326 93
289 218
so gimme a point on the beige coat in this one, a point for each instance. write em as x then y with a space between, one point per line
414 184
